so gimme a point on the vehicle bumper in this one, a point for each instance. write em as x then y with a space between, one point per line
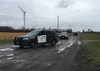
22 42
63 37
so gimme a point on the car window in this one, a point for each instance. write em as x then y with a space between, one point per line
33 33
64 33
55 32
48 33
42 33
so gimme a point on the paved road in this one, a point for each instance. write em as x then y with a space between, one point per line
44 58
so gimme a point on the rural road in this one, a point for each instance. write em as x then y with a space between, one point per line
44 58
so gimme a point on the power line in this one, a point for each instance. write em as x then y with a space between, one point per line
45 7
40 8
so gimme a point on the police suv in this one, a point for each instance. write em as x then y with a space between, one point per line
36 37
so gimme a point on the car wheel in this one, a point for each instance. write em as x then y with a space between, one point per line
67 38
32 45
53 43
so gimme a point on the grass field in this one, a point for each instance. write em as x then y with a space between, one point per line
91 36
9 36
94 47
6 41
6 37
92 53
70 33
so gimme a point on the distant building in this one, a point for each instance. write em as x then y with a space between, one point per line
89 30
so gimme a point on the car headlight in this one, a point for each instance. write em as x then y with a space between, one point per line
66 36
25 38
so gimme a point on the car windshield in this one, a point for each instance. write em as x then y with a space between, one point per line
33 33
63 33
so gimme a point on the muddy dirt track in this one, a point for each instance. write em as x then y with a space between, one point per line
44 58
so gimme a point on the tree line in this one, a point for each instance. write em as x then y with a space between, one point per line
11 29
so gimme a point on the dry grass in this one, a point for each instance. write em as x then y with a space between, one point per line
8 35
86 41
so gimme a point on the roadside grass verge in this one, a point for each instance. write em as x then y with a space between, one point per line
70 33
94 48
6 41
91 36
90 56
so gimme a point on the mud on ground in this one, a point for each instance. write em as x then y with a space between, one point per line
81 58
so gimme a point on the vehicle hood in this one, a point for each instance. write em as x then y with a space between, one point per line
26 36
63 35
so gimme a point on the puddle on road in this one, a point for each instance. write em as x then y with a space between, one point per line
15 46
10 58
79 42
61 49
59 43
49 64
10 55
70 43
19 60
7 49
67 44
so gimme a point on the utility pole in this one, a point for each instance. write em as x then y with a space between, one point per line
36 25
68 26
58 23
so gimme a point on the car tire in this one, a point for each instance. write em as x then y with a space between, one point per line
53 43
32 45
67 38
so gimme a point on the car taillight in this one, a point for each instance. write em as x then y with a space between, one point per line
58 35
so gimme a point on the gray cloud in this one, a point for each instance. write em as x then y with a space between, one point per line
7 17
79 19
65 3
13 21
94 0
77 11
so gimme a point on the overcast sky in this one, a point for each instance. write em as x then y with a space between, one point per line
80 14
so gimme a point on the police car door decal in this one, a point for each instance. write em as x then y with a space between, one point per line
42 39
